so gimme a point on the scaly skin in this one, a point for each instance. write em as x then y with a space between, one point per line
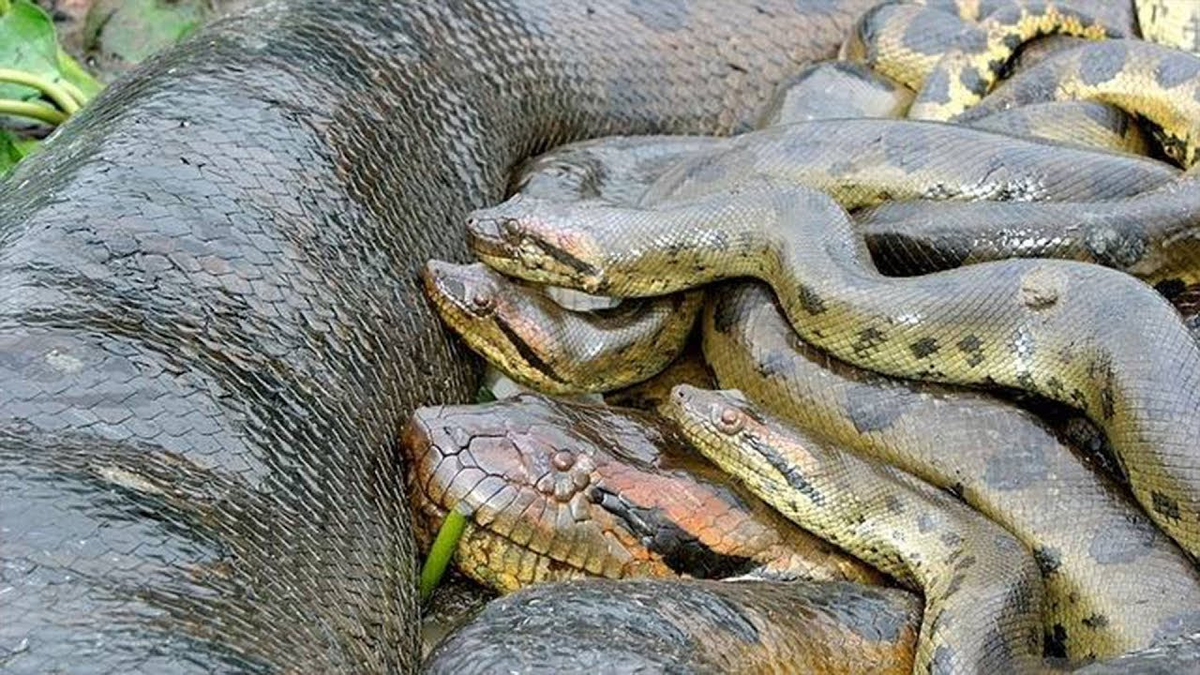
957 50
1154 82
982 589
863 162
1083 123
558 490
1113 582
211 322
533 340
688 627
1154 236
1042 326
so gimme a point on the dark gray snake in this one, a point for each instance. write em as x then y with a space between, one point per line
210 324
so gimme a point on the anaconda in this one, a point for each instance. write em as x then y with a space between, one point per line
579 352
1037 325
211 322
694 626
1154 236
557 490
1113 582
982 587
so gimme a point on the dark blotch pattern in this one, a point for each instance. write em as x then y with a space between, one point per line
924 347
1015 468
973 81
811 301
1125 540
1165 505
1055 643
1049 559
1175 69
1104 66
972 347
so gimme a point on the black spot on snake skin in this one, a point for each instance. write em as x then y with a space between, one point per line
1174 69
1165 505
1055 643
1102 68
868 339
973 81
1095 621
1049 559
924 347
811 301
972 347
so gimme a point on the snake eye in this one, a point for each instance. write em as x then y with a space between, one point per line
482 302
511 228
729 421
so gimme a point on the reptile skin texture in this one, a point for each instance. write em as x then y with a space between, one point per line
210 320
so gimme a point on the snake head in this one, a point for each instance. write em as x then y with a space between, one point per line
464 294
507 322
538 240
736 436
718 415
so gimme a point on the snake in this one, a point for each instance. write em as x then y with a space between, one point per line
688 626
212 323
1112 582
982 588
522 331
1034 325
588 352
556 490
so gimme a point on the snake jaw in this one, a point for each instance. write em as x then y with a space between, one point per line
464 290
532 239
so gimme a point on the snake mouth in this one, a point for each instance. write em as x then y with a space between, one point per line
529 519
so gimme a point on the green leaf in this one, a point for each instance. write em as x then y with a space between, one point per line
76 75
27 43
10 152
132 30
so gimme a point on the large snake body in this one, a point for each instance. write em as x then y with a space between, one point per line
211 323
1112 581
1029 324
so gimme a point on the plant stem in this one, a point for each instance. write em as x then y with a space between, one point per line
77 77
52 91
441 552
32 110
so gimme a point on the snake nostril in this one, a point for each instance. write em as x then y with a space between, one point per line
563 460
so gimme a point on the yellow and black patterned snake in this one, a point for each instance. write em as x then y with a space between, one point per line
732 208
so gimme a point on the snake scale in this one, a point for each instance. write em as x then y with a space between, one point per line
212 326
